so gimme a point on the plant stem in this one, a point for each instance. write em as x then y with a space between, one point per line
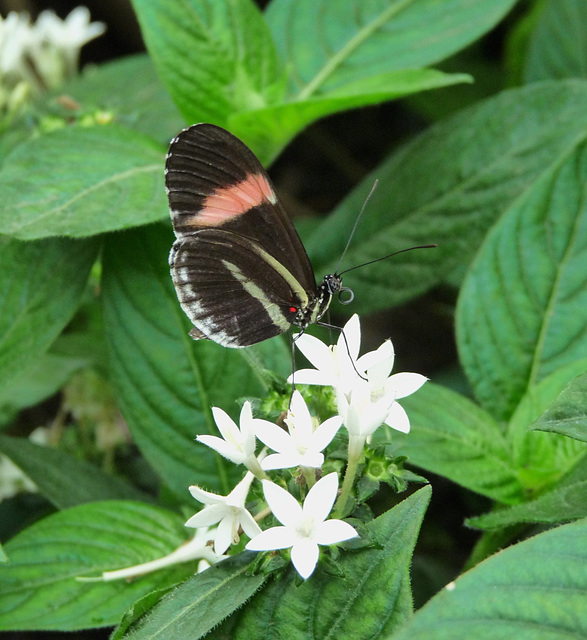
356 445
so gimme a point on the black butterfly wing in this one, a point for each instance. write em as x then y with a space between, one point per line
214 180
232 290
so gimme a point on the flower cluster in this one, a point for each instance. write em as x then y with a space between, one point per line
366 397
40 56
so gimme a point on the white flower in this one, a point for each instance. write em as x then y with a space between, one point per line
304 528
229 511
71 33
334 363
197 547
373 401
301 445
237 445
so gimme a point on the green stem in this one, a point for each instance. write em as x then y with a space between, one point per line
356 445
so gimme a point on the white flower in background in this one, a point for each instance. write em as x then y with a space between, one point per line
237 444
301 445
304 527
229 511
40 56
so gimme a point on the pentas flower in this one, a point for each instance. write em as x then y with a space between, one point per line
301 445
237 444
304 527
373 401
334 363
229 511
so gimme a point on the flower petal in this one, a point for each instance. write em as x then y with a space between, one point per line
304 557
301 418
249 524
273 436
223 538
274 538
316 352
324 434
281 461
404 384
207 517
228 451
282 504
206 497
320 498
333 531
230 432
398 419
352 333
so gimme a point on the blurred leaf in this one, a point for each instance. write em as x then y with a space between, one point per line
166 381
109 178
327 45
455 438
370 599
41 285
63 480
566 501
535 589
271 128
557 47
523 308
202 602
214 57
45 375
567 415
39 591
130 89
441 188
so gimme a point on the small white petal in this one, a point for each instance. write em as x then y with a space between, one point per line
312 376
272 539
206 497
223 537
352 333
207 517
333 531
282 504
282 461
304 557
404 384
315 352
226 450
249 525
272 435
321 497
325 433
301 417
230 432
398 419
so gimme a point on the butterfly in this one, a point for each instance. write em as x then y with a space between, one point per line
240 270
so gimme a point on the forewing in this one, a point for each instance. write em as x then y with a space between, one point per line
214 180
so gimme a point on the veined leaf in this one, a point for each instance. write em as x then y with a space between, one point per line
109 178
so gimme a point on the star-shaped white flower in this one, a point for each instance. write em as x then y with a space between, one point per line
334 363
304 528
373 401
237 444
301 445
229 511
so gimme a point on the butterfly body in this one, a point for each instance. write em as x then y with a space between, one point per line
239 268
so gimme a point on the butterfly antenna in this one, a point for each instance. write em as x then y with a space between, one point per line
355 227
395 253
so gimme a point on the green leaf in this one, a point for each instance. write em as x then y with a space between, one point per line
130 90
329 44
201 603
41 285
166 381
558 48
40 380
63 480
568 413
214 57
522 310
370 598
441 188
453 437
39 591
109 178
534 590
271 128
566 501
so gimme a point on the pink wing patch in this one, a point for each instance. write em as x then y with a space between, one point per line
227 202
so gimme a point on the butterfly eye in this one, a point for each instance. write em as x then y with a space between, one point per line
346 295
